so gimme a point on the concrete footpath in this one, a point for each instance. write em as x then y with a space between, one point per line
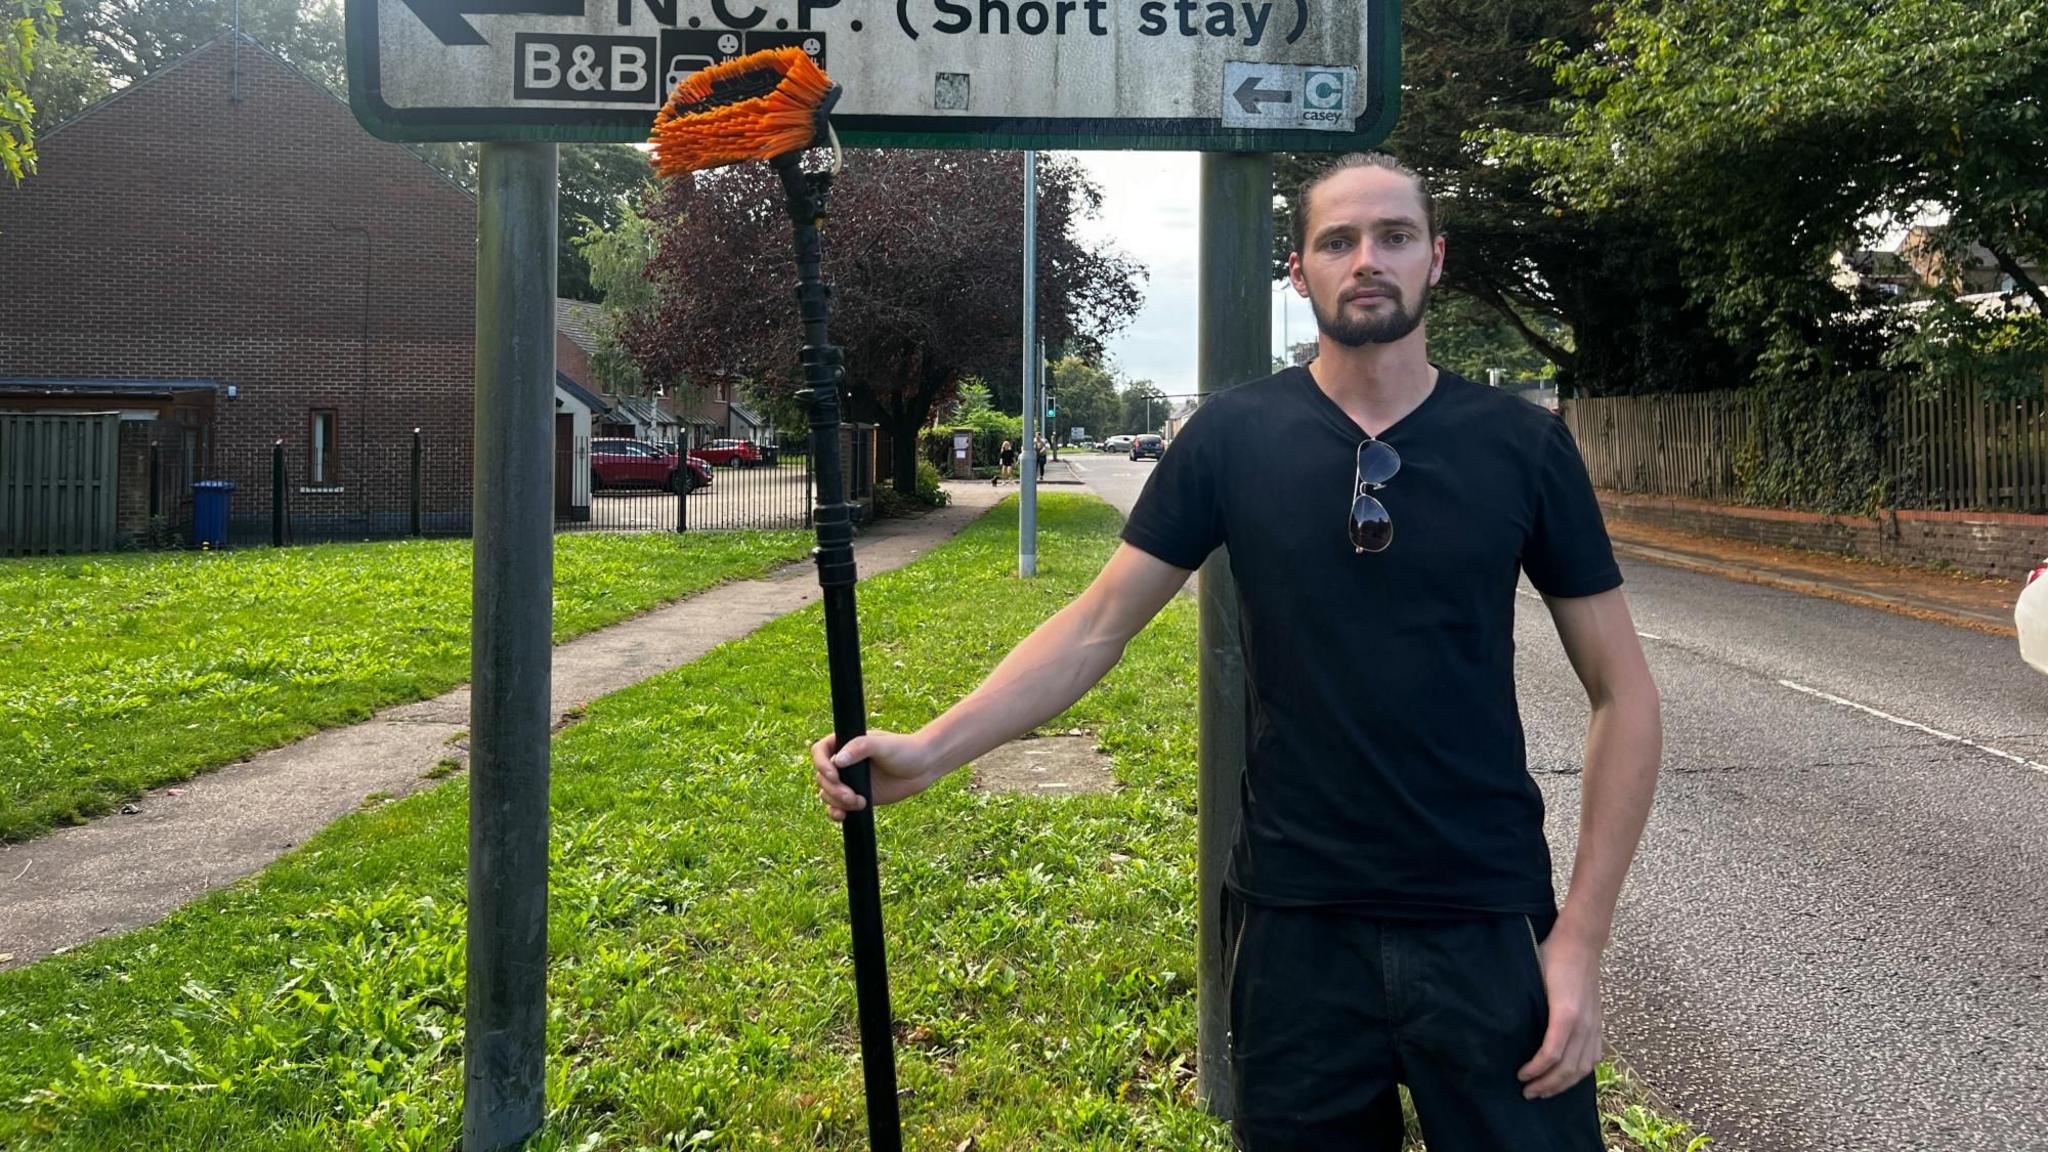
1977 603
172 845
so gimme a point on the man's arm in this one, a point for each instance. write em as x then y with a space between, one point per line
1042 677
1624 743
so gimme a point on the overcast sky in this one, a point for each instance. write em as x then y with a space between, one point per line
1151 204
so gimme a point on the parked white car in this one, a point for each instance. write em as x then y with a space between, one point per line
2030 615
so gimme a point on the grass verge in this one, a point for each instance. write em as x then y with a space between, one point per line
122 673
1042 950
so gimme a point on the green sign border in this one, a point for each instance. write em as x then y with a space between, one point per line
571 125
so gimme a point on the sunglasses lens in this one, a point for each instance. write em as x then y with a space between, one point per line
1371 528
1377 463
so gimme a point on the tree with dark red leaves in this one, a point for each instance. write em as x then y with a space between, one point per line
924 251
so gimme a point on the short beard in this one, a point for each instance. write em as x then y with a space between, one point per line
1372 329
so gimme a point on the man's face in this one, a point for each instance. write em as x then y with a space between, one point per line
1367 262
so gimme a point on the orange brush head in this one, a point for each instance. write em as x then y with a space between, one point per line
756 107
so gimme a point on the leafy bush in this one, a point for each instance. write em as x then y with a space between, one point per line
972 410
929 492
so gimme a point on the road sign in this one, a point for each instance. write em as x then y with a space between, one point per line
1183 75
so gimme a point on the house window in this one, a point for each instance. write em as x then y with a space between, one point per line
725 390
320 467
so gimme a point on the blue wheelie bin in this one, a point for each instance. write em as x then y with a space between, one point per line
210 513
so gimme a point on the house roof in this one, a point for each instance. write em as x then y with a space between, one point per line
580 394
122 385
577 319
642 410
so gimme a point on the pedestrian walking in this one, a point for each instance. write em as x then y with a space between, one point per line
1043 449
1389 907
1007 456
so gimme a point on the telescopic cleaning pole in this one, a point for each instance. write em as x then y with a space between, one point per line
773 106
823 373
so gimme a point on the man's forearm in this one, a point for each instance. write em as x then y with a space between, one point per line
1624 743
1042 677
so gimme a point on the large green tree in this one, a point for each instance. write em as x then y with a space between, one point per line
596 183
1471 68
67 79
1469 338
617 258
1084 392
133 38
599 183
1767 135
1763 137
922 249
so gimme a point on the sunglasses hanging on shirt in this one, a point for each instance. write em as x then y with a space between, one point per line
1372 529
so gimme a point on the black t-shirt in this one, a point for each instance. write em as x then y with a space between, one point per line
1386 770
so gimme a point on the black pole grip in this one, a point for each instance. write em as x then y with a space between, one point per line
823 374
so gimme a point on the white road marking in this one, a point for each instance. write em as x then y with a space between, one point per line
1918 727
1649 635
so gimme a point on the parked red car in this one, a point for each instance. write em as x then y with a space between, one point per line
738 453
617 462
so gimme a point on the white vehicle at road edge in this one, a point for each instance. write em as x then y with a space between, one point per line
2030 616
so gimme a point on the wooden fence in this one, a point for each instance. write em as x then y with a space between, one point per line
1960 449
57 481
1664 445
1957 449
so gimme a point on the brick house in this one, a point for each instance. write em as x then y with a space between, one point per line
224 226
691 415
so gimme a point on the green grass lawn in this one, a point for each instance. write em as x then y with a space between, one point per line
122 673
1042 950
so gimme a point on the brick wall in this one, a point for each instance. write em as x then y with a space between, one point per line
267 243
573 362
1997 544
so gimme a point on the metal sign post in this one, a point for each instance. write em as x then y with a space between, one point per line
1234 345
512 609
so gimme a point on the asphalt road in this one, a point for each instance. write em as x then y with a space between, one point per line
1836 933
1116 478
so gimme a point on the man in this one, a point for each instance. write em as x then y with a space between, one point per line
1392 918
